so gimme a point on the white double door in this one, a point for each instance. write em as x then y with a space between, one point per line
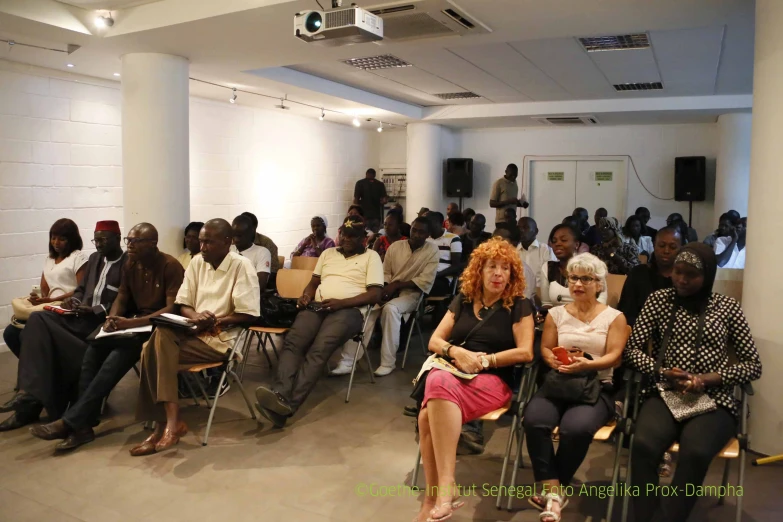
558 187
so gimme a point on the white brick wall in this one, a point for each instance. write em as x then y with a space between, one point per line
59 157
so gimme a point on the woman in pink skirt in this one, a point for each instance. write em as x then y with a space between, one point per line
493 287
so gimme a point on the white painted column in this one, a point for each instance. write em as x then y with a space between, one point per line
733 169
155 133
762 289
424 171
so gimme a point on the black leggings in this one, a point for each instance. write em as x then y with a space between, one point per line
578 424
701 438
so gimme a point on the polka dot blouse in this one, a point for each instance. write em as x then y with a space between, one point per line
725 325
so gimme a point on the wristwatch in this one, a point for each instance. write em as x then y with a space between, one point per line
445 351
484 362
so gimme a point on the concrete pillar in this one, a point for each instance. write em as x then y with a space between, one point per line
763 287
733 170
424 169
155 158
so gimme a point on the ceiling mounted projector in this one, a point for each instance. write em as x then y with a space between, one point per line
338 27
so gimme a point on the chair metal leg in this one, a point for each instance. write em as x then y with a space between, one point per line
369 364
353 370
741 483
204 391
213 407
415 477
615 474
506 457
193 395
421 340
724 481
136 369
244 394
408 341
517 460
267 337
627 498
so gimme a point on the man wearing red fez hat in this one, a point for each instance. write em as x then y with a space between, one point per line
55 343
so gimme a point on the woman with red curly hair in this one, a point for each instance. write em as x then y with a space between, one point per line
493 285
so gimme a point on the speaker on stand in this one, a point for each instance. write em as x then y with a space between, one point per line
458 178
690 181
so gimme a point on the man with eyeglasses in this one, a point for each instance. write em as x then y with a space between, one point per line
49 372
150 281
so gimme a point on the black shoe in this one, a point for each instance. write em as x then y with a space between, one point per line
410 411
52 431
468 445
17 401
16 421
76 439
277 420
212 389
271 400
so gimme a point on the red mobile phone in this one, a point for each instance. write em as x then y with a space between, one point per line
562 355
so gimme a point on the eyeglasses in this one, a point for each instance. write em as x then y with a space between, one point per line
134 240
99 241
585 280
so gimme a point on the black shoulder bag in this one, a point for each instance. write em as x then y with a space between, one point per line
577 388
420 383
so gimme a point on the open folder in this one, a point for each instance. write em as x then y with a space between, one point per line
173 321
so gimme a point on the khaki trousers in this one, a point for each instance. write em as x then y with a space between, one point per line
163 356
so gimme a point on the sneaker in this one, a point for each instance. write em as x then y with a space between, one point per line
429 309
383 371
212 388
341 369
277 420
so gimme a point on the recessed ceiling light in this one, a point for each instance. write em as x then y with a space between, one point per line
104 21
117 74
356 122
69 65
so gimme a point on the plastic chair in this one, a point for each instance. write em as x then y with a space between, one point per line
303 263
614 287
229 363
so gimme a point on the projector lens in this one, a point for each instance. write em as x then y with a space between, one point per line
313 22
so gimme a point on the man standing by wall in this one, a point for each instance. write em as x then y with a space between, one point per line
505 194
370 194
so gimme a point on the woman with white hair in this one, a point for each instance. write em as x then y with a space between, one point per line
593 336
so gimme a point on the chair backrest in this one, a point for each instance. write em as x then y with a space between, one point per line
643 259
292 282
728 281
304 263
281 260
614 287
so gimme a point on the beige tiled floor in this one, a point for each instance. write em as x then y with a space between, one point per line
308 472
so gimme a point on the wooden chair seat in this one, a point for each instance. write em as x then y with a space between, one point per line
495 415
731 451
268 329
602 434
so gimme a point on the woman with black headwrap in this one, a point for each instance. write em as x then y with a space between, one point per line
699 325
620 257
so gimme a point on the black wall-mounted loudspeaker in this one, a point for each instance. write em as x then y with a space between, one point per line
690 178
458 178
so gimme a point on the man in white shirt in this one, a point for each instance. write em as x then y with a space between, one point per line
730 250
450 247
533 253
244 234
344 282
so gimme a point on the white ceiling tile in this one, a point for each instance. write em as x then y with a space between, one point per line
418 79
457 70
631 66
688 59
567 63
507 65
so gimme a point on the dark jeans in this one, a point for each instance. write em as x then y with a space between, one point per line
578 423
12 336
53 347
701 438
313 338
441 287
105 363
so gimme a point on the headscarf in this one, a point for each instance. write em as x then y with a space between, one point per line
322 218
701 257
612 223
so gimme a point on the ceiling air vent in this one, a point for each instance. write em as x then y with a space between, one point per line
644 86
567 120
417 19
457 95
374 63
621 42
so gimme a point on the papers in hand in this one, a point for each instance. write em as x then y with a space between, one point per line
127 331
173 320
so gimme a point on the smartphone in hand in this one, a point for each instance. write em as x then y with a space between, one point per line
562 355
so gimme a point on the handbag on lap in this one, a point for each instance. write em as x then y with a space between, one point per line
23 308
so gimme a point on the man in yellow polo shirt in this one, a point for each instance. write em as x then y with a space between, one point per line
345 280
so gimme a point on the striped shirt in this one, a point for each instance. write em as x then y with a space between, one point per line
447 244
